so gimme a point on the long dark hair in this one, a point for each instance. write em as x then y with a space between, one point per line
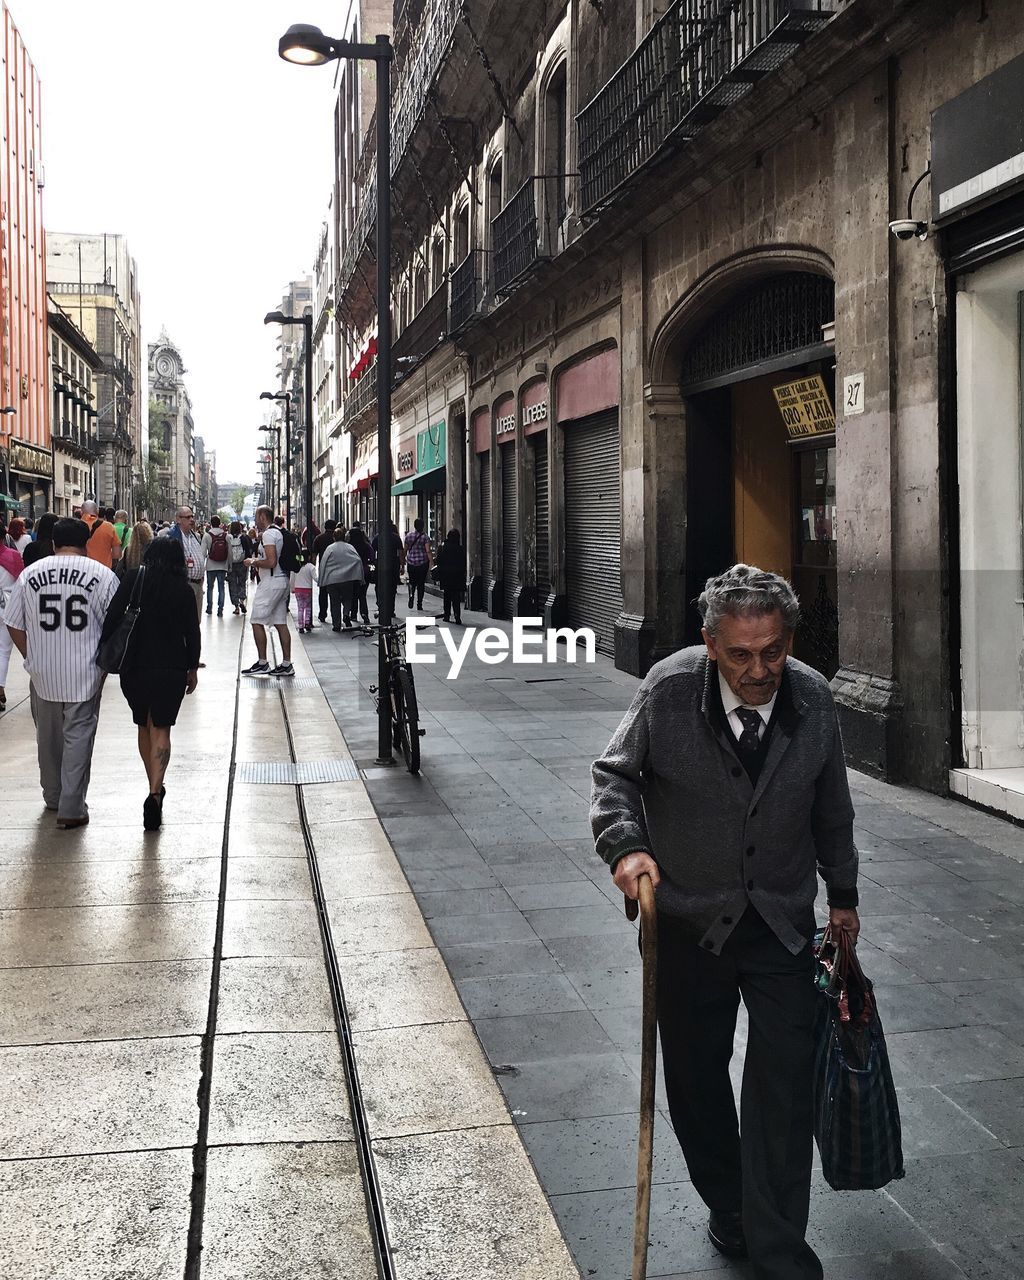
361 542
453 538
164 558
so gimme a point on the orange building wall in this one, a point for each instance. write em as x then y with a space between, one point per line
23 379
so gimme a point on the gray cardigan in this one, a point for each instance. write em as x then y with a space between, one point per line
670 784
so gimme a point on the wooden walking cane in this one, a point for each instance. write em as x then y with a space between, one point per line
648 1069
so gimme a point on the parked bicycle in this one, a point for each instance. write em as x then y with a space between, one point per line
401 694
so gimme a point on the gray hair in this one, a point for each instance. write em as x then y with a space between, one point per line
744 589
89 508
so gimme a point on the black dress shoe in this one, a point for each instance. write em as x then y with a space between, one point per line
725 1231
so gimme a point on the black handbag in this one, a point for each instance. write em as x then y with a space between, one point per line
856 1112
113 651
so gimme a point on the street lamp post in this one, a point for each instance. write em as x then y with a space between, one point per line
308 46
286 396
277 459
278 317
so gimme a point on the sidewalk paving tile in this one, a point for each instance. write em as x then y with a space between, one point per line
275 1087
254 928
261 1199
111 1095
466 1204
95 1217
273 994
451 1087
95 935
57 1004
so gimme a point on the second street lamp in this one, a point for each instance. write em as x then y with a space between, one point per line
287 398
308 46
278 317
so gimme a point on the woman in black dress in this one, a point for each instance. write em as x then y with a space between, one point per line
161 664
451 574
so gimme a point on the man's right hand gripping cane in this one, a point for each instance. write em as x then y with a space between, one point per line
627 873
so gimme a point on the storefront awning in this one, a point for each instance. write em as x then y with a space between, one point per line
425 482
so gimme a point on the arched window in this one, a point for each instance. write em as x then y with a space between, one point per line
556 123
462 233
419 296
437 265
403 309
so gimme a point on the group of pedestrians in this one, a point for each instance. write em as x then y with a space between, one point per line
57 611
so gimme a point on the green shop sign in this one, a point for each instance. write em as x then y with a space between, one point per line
430 448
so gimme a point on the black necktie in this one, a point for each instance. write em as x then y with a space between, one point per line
749 741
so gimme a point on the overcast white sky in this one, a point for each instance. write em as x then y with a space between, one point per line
179 126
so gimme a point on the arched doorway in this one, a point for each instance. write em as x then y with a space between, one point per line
758 385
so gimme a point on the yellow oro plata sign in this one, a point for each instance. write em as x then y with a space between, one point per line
805 407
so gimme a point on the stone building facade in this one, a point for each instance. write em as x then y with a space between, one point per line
171 428
74 364
95 279
644 278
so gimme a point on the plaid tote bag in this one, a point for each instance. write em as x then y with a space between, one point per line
856 1113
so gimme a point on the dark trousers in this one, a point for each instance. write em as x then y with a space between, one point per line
342 598
417 581
768 1174
322 601
361 605
453 603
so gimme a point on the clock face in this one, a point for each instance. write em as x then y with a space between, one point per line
165 366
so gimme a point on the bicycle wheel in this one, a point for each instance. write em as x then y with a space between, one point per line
410 731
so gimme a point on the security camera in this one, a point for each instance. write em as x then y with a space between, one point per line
908 228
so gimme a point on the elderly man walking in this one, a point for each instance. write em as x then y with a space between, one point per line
55 616
726 783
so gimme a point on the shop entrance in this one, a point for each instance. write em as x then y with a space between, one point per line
761 457
990 466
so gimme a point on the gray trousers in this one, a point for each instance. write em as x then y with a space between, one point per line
65 733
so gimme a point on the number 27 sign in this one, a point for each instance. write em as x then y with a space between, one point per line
853 395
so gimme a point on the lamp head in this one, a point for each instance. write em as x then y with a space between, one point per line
276 317
267 395
306 46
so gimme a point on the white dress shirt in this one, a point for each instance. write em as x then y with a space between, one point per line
730 702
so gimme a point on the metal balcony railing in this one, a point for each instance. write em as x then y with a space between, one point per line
433 36
423 333
514 239
362 393
466 290
412 82
698 59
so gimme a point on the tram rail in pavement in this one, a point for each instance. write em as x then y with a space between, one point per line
270 961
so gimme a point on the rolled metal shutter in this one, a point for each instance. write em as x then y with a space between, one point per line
593 525
509 529
542 514
486 535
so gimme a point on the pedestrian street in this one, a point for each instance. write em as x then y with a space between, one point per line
174 1091
495 841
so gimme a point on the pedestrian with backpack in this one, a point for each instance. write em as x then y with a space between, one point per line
216 555
275 560
240 548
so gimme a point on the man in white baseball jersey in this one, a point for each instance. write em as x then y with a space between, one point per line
269 606
55 615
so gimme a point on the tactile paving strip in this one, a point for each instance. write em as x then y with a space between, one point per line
281 682
306 771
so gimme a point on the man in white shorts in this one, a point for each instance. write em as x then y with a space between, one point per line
269 606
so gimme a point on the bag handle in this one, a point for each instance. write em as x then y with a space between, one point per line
136 596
